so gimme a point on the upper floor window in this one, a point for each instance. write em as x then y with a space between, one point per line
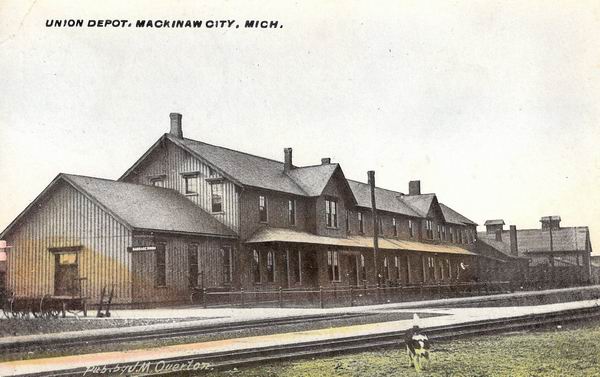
363 268
361 224
411 230
451 231
397 266
333 265
331 213
380 225
394 227
262 209
439 232
292 211
270 267
429 228
157 182
216 196
444 232
211 172
227 264
191 184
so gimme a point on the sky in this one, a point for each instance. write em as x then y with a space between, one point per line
493 105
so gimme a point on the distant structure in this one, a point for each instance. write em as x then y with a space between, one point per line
554 255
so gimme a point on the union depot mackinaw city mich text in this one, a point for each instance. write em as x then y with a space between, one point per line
166 24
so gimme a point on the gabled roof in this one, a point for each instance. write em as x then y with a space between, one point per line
312 179
420 203
494 222
386 200
142 207
453 217
538 241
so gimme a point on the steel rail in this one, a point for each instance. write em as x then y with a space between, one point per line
231 359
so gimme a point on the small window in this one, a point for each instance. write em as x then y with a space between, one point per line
361 224
394 227
429 228
67 258
331 213
216 197
211 172
411 230
397 267
386 268
262 209
439 232
157 182
191 184
444 232
256 266
227 265
160 265
193 265
270 267
292 211
333 266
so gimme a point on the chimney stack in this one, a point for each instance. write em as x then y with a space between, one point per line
325 161
176 129
414 188
514 249
550 222
499 235
287 165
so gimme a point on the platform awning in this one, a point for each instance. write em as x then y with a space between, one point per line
267 235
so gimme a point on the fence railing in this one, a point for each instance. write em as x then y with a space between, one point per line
344 295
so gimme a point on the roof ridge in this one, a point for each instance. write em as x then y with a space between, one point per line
377 187
232 150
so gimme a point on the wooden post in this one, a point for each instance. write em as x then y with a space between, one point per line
204 297
321 297
351 296
242 297
371 176
280 297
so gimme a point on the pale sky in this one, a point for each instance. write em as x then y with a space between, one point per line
493 105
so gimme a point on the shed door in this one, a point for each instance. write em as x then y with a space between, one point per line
66 273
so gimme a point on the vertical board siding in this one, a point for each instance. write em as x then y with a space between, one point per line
67 218
171 161
177 274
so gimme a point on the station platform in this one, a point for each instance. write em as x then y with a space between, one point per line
93 363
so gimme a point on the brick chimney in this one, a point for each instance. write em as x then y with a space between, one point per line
514 248
499 235
176 129
414 188
287 164
325 161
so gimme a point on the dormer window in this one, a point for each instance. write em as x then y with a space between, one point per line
361 223
331 213
429 228
411 230
292 211
394 227
191 184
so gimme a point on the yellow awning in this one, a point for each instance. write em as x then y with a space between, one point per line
266 235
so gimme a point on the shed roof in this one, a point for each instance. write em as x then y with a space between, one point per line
268 234
494 222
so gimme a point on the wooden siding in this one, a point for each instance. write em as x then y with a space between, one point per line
171 161
66 218
177 276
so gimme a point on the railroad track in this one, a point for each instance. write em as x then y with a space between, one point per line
231 359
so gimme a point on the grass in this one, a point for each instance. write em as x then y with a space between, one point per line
556 352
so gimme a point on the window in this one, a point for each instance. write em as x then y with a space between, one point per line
386 268
361 224
363 268
193 264
295 266
429 228
160 265
411 230
439 232
380 225
227 265
430 268
451 231
216 196
333 265
262 209
157 182
397 266
211 172
444 232
449 268
256 266
394 227
270 267
331 213
292 211
191 184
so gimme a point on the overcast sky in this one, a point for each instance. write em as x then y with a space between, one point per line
494 106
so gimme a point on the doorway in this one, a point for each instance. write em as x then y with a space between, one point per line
66 274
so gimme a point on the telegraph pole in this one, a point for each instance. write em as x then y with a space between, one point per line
371 175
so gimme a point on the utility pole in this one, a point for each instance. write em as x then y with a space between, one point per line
371 175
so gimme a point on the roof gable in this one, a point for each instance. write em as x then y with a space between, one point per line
386 200
313 179
421 204
453 217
